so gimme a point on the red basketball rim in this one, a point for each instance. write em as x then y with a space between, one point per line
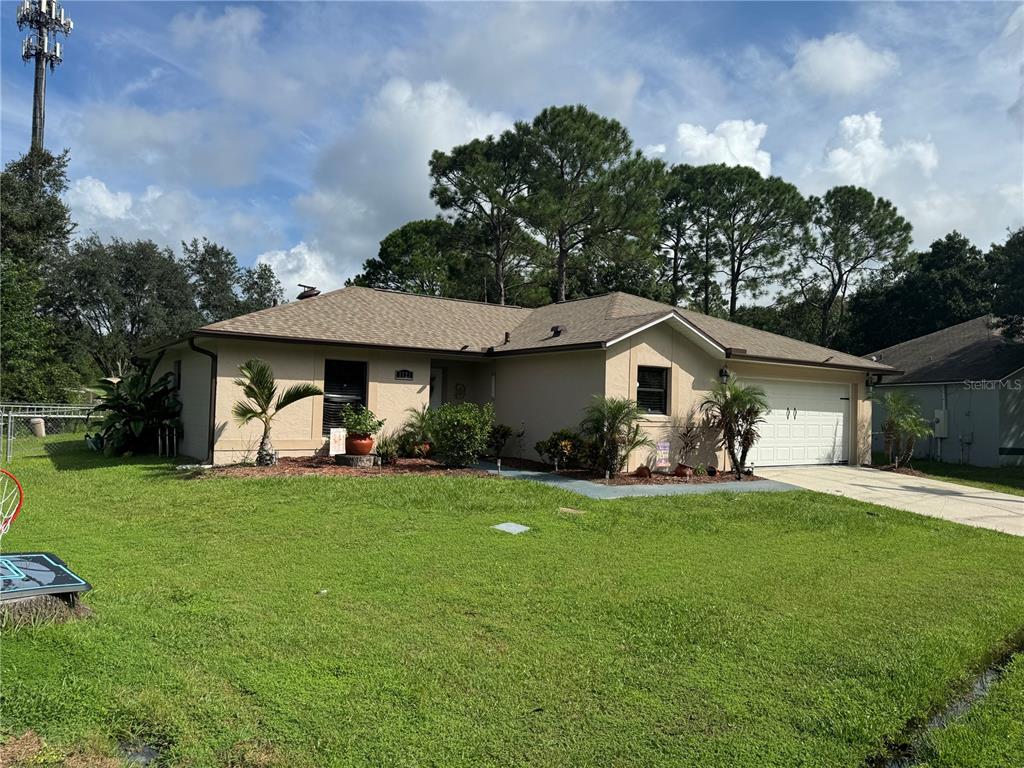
12 496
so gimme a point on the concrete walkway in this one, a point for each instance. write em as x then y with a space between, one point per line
601 491
925 496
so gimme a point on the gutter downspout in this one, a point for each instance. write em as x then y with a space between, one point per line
213 394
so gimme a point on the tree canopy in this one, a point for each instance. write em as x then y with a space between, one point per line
1008 269
74 312
850 234
590 191
117 297
35 228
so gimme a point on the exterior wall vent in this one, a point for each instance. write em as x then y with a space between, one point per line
403 374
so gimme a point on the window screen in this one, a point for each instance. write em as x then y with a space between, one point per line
652 389
344 382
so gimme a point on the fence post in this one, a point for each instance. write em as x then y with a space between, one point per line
10 437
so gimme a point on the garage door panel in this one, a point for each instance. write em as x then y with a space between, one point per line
807 424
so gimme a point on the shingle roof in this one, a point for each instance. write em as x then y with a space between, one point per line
367 316
973 350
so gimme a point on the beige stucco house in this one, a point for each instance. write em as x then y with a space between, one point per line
539 367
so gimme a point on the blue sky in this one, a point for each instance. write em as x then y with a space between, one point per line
299 134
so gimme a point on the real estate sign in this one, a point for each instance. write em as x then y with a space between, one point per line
662 454
337 440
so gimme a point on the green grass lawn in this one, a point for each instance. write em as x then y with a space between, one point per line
991 735
791 629
1004 479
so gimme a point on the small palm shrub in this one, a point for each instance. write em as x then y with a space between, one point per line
259 386
461 432
134 409
902 426
414 437
736 411
387 448
612 424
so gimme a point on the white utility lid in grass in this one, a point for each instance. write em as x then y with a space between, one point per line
511 528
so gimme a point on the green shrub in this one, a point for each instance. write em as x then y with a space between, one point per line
500 433
562 448
461 432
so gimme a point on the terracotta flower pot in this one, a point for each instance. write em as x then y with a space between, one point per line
358 445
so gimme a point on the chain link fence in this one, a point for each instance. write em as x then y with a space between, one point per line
41 429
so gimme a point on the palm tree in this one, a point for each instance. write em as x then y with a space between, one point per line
613 423
736 410
902 426
260 387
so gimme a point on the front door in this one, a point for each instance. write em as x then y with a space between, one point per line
436 387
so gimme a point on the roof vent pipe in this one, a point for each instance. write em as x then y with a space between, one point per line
308 292
557 330
508 337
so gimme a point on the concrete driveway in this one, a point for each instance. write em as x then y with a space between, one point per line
935 498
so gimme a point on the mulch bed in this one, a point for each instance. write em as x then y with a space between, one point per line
904 470
658 478
324 465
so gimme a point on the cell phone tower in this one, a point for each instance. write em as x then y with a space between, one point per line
45 19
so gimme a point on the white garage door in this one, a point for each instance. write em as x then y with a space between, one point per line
808 424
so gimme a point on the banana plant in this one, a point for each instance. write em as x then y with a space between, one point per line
134 408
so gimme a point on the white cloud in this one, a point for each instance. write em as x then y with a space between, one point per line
166 216
376 177
302 264
91 198
733 142
184 145
842 64
861 156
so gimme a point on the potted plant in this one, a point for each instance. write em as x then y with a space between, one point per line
360 427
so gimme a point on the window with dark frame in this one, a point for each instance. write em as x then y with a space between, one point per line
344 384
652 389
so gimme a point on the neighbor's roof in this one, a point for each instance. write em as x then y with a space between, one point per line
371 317
973 350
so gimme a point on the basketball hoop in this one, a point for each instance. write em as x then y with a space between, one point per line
11 499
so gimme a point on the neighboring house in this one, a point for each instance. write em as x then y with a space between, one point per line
540 367
968 381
